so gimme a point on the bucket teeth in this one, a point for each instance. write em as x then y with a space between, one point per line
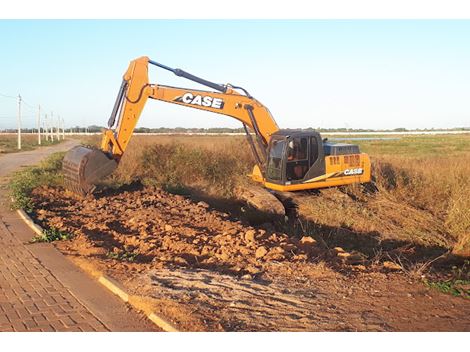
83 167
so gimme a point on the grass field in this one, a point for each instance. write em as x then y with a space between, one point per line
9 143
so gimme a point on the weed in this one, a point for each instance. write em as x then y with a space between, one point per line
458 284
124 256
50 235
453 287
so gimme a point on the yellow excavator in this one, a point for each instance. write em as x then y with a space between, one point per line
286 160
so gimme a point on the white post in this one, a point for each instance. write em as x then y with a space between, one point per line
51 126
63 129
39 125
19 121
57 130
45 127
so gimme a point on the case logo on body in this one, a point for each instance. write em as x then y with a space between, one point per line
349 172
201 100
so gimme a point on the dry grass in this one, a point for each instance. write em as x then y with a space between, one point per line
423 182
9 142
211 164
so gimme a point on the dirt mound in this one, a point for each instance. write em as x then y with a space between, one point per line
153 226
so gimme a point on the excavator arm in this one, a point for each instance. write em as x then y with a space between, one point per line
136 90
84 167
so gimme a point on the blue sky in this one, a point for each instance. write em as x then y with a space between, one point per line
318 73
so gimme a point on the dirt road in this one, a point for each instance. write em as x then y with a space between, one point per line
40 290
207 271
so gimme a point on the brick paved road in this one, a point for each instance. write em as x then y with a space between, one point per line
31 298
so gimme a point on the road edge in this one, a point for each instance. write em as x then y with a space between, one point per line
109 283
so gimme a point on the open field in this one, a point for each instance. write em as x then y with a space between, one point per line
9 142
212 265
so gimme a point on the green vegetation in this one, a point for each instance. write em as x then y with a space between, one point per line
453 287
122 255
50 235
414 146
458 285
9 143
25 181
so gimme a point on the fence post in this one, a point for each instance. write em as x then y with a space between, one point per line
51 127
57 130
39 124
46 127
19 122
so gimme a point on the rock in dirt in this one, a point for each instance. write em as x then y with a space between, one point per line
308 241
261 252
250 235
391 265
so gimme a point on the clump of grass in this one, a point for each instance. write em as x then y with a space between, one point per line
454 287
25 181
122 255
50 235
458 284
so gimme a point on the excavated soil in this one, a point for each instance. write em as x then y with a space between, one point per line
205 270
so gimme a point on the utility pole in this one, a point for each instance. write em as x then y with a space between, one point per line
39 124
19 121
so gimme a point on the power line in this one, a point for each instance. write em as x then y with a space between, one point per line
8 96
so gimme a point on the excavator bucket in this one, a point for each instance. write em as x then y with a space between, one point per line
84 167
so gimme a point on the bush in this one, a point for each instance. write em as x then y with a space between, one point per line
177 166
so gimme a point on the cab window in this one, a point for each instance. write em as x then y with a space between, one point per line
297 159
274 170
297 149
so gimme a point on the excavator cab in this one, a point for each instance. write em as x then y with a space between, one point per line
294 156
299 160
